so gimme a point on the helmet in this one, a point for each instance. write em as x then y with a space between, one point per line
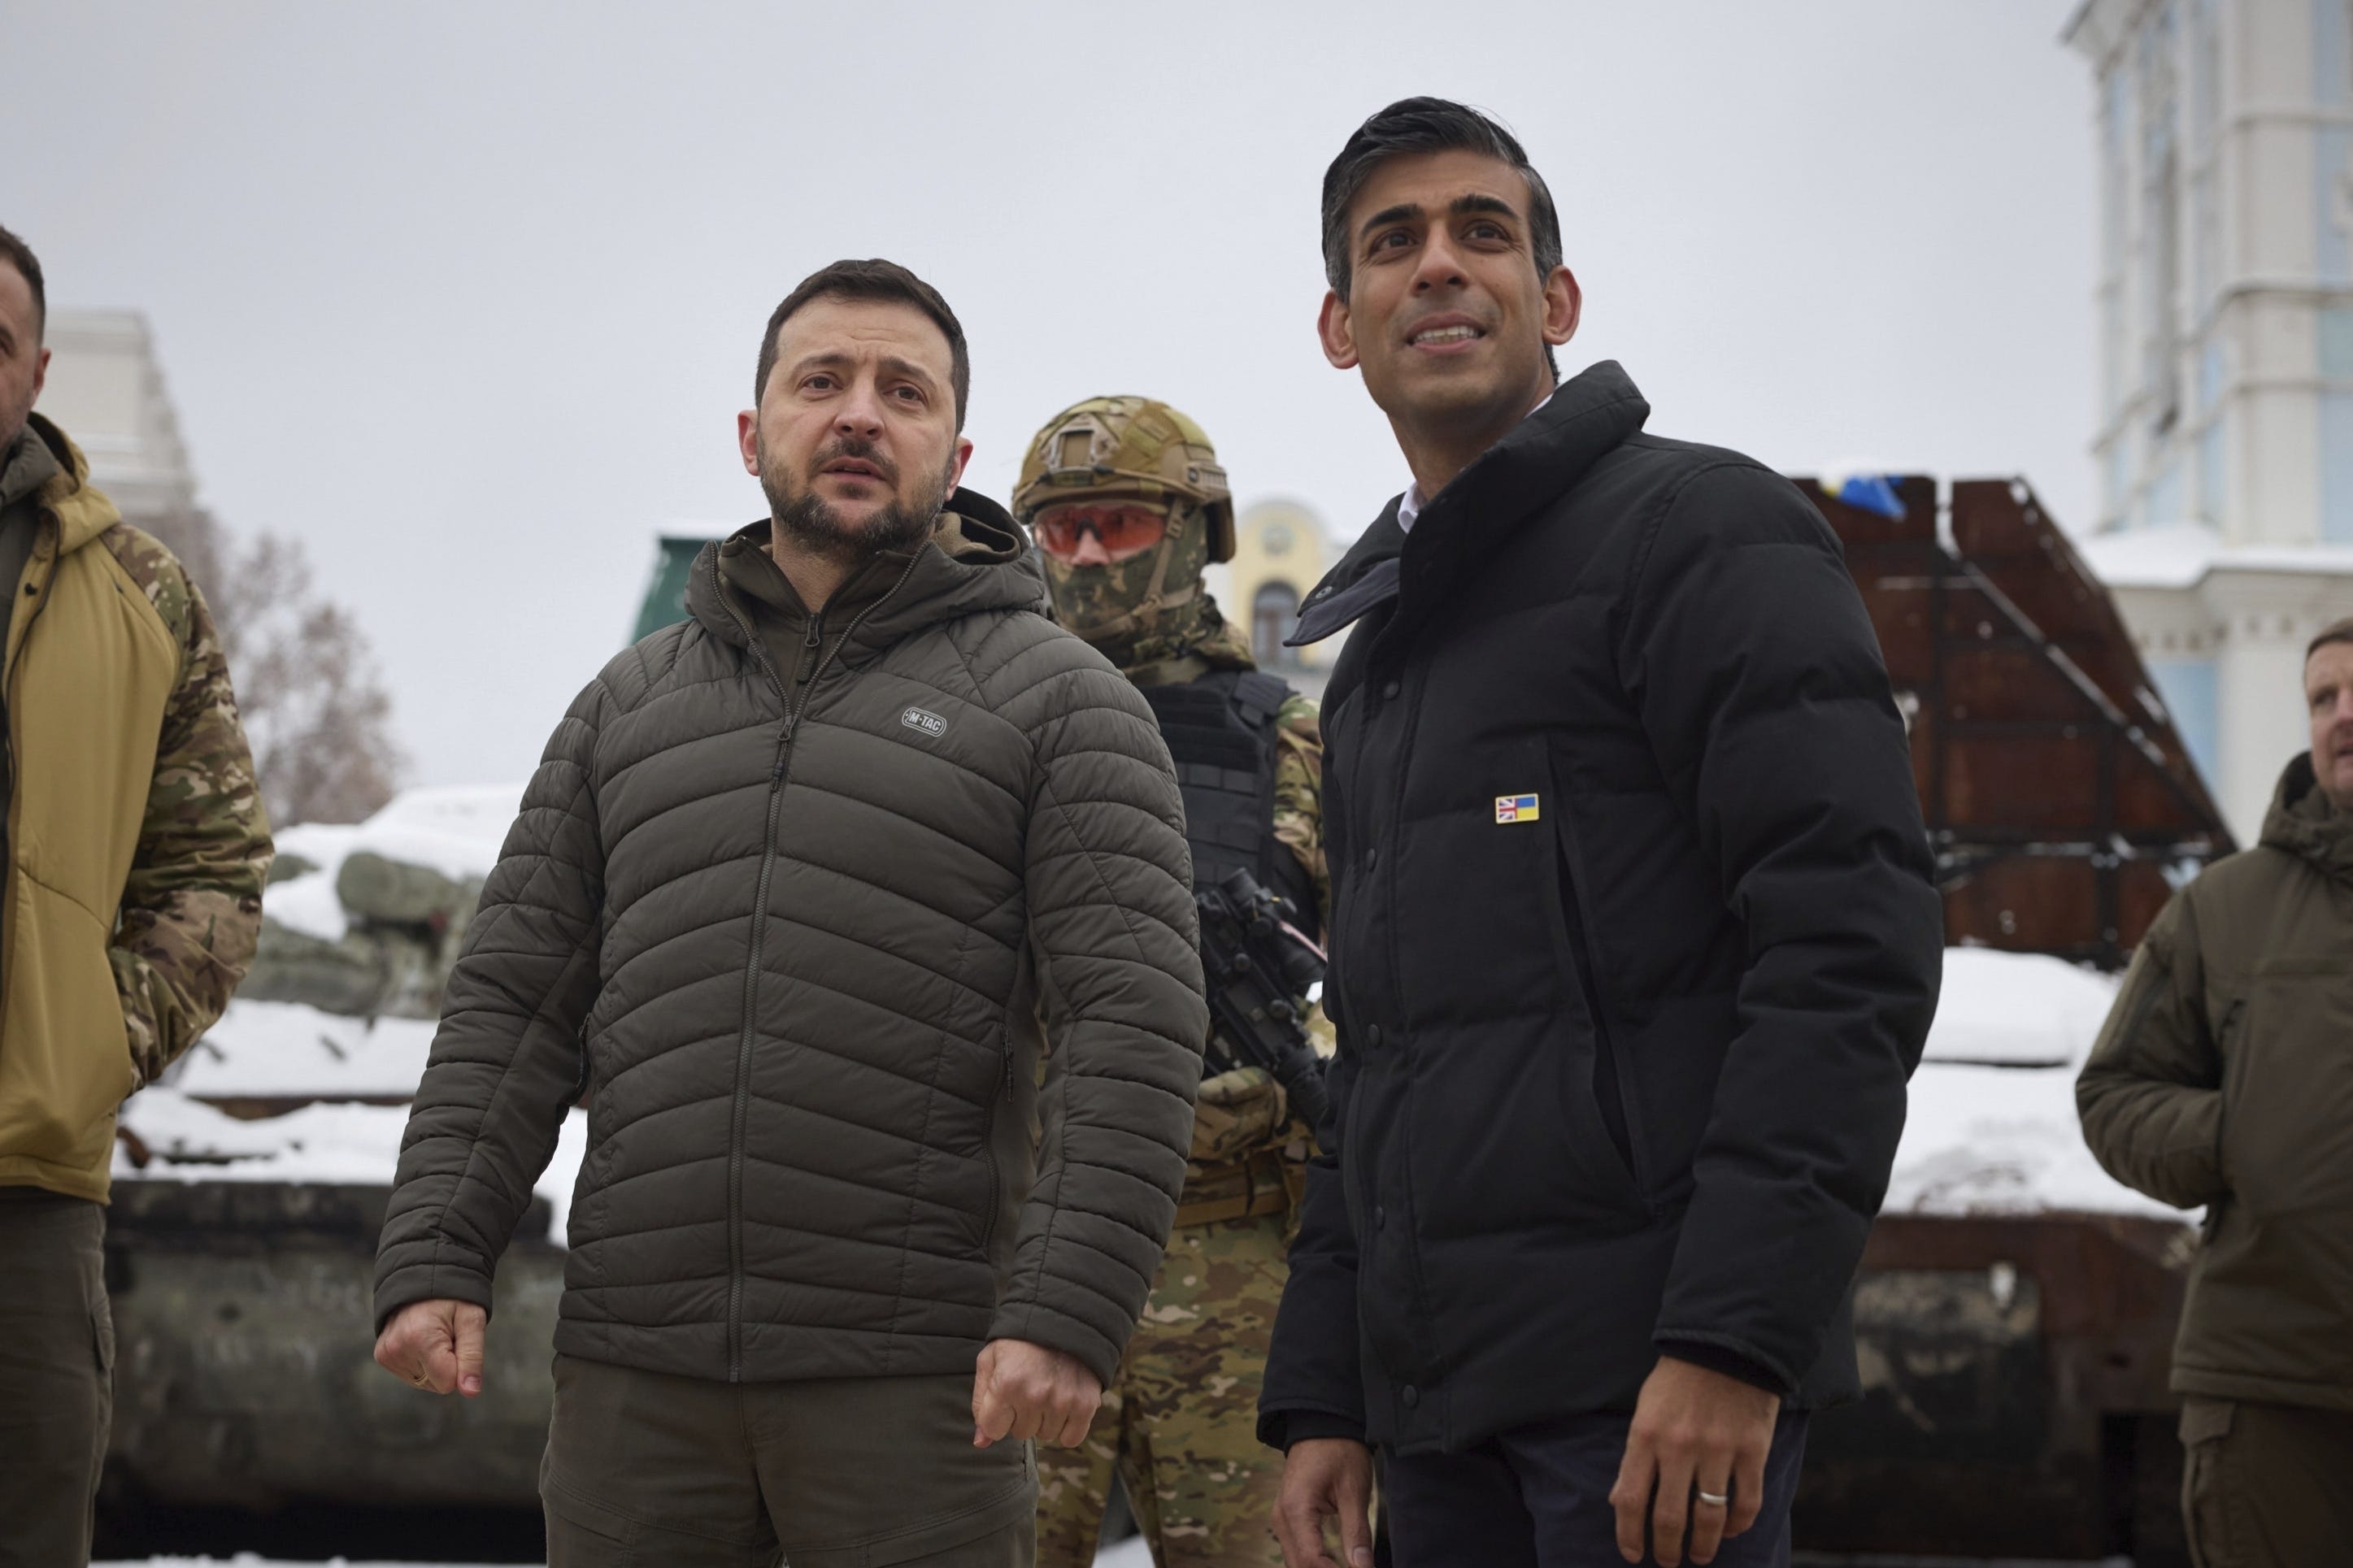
1139 450
1130 446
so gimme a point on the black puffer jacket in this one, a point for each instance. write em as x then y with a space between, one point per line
806 953
1635 943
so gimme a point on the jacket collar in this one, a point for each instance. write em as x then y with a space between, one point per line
81 510
1543 457
977 560
2302 823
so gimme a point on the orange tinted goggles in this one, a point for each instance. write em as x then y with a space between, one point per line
1085 534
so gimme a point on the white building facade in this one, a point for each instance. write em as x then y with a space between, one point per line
105 390
2225 310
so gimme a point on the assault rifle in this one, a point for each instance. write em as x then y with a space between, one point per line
1257 967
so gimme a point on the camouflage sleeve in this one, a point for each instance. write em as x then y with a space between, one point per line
1299 794
191 904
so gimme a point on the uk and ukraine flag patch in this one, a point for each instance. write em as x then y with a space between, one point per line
1517 808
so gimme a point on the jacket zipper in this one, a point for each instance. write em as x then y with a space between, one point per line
777 773
8 685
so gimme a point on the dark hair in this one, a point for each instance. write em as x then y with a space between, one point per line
1429 125
2336 631
19 255
874 279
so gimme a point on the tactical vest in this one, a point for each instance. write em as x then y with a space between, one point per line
1220 732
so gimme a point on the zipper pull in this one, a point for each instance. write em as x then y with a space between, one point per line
816 631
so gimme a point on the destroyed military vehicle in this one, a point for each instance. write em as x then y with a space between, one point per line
2015 1307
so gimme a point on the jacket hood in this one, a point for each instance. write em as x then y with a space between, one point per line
2303 823
1540 457
81 509
977 560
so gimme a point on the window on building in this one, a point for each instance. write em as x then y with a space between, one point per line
2332 54
2163 505
2332 202
2191 692
2205 245
2205 74
1274 610
2212 491
2337 466
2115 92
2161 206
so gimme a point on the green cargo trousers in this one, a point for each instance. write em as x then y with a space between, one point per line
644 1468
2266 1485
57 1374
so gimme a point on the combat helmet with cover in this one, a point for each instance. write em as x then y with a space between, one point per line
1138 451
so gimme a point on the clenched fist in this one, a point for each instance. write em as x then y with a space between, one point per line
1020 1390
437 1345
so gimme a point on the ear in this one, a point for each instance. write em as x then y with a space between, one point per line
1338 333
956 464
1564 303
747 437
40 373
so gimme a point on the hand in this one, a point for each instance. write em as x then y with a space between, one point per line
1020 1390
1321 1477
1694 1430
435 1345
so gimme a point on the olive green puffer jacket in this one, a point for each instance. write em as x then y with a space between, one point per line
2224 1077
797 958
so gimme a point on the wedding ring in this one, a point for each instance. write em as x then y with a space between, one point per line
1714 1500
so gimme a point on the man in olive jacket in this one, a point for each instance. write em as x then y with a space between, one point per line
2224 1078
789 898
135 850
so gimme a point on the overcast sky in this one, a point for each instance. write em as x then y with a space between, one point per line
467 296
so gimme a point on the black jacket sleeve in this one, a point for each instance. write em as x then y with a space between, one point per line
1314 1383
1761 687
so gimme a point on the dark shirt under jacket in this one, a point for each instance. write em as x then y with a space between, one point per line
1635 942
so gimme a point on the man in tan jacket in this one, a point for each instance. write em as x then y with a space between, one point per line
2224 1078
130 899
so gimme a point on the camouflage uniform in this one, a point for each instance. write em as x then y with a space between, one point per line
191 904
1178 1423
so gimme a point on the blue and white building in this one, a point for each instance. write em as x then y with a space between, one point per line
2225 310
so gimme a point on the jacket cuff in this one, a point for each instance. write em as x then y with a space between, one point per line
1728 1361
412 1283
1282 1428
1048 1329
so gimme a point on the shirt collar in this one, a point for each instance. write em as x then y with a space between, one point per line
1409 505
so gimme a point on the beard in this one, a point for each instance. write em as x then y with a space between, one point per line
819 527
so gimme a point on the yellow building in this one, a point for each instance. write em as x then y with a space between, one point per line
1280 552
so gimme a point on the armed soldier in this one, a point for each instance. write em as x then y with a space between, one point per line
1128 505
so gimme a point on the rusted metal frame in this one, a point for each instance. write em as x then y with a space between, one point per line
2108 906
1932 701
2132 733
